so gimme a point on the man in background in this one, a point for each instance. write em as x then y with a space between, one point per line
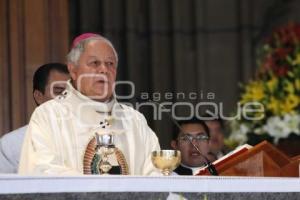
191 131
217 132
48 82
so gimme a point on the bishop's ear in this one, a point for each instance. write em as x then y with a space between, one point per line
38 97
73 71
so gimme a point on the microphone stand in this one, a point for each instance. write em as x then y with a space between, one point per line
211 168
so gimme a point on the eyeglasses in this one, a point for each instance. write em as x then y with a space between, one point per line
188 137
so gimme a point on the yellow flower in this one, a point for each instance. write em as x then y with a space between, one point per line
288 87
289 103
297 84
274 106
254 92
272 84
297 60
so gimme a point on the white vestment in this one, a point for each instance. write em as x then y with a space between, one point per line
60 129
10 150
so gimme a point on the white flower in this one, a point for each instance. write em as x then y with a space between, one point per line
239 133
293 123
259 131
282 128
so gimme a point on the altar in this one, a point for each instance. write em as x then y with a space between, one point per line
152 187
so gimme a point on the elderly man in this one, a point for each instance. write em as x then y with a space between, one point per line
48 81
61 130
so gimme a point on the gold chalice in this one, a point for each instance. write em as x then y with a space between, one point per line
105 147
166 160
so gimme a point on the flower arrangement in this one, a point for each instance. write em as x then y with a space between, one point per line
276 87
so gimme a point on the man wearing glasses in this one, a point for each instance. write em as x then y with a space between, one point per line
193 142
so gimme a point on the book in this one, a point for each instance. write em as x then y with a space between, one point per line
233 154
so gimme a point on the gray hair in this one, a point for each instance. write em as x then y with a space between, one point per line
75 53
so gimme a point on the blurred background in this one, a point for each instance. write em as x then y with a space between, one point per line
164 46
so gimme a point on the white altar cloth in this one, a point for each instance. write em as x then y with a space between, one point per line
13 184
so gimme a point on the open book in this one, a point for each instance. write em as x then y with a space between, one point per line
233 154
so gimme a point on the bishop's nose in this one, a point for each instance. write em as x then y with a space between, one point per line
102 68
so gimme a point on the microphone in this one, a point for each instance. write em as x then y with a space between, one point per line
211 168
